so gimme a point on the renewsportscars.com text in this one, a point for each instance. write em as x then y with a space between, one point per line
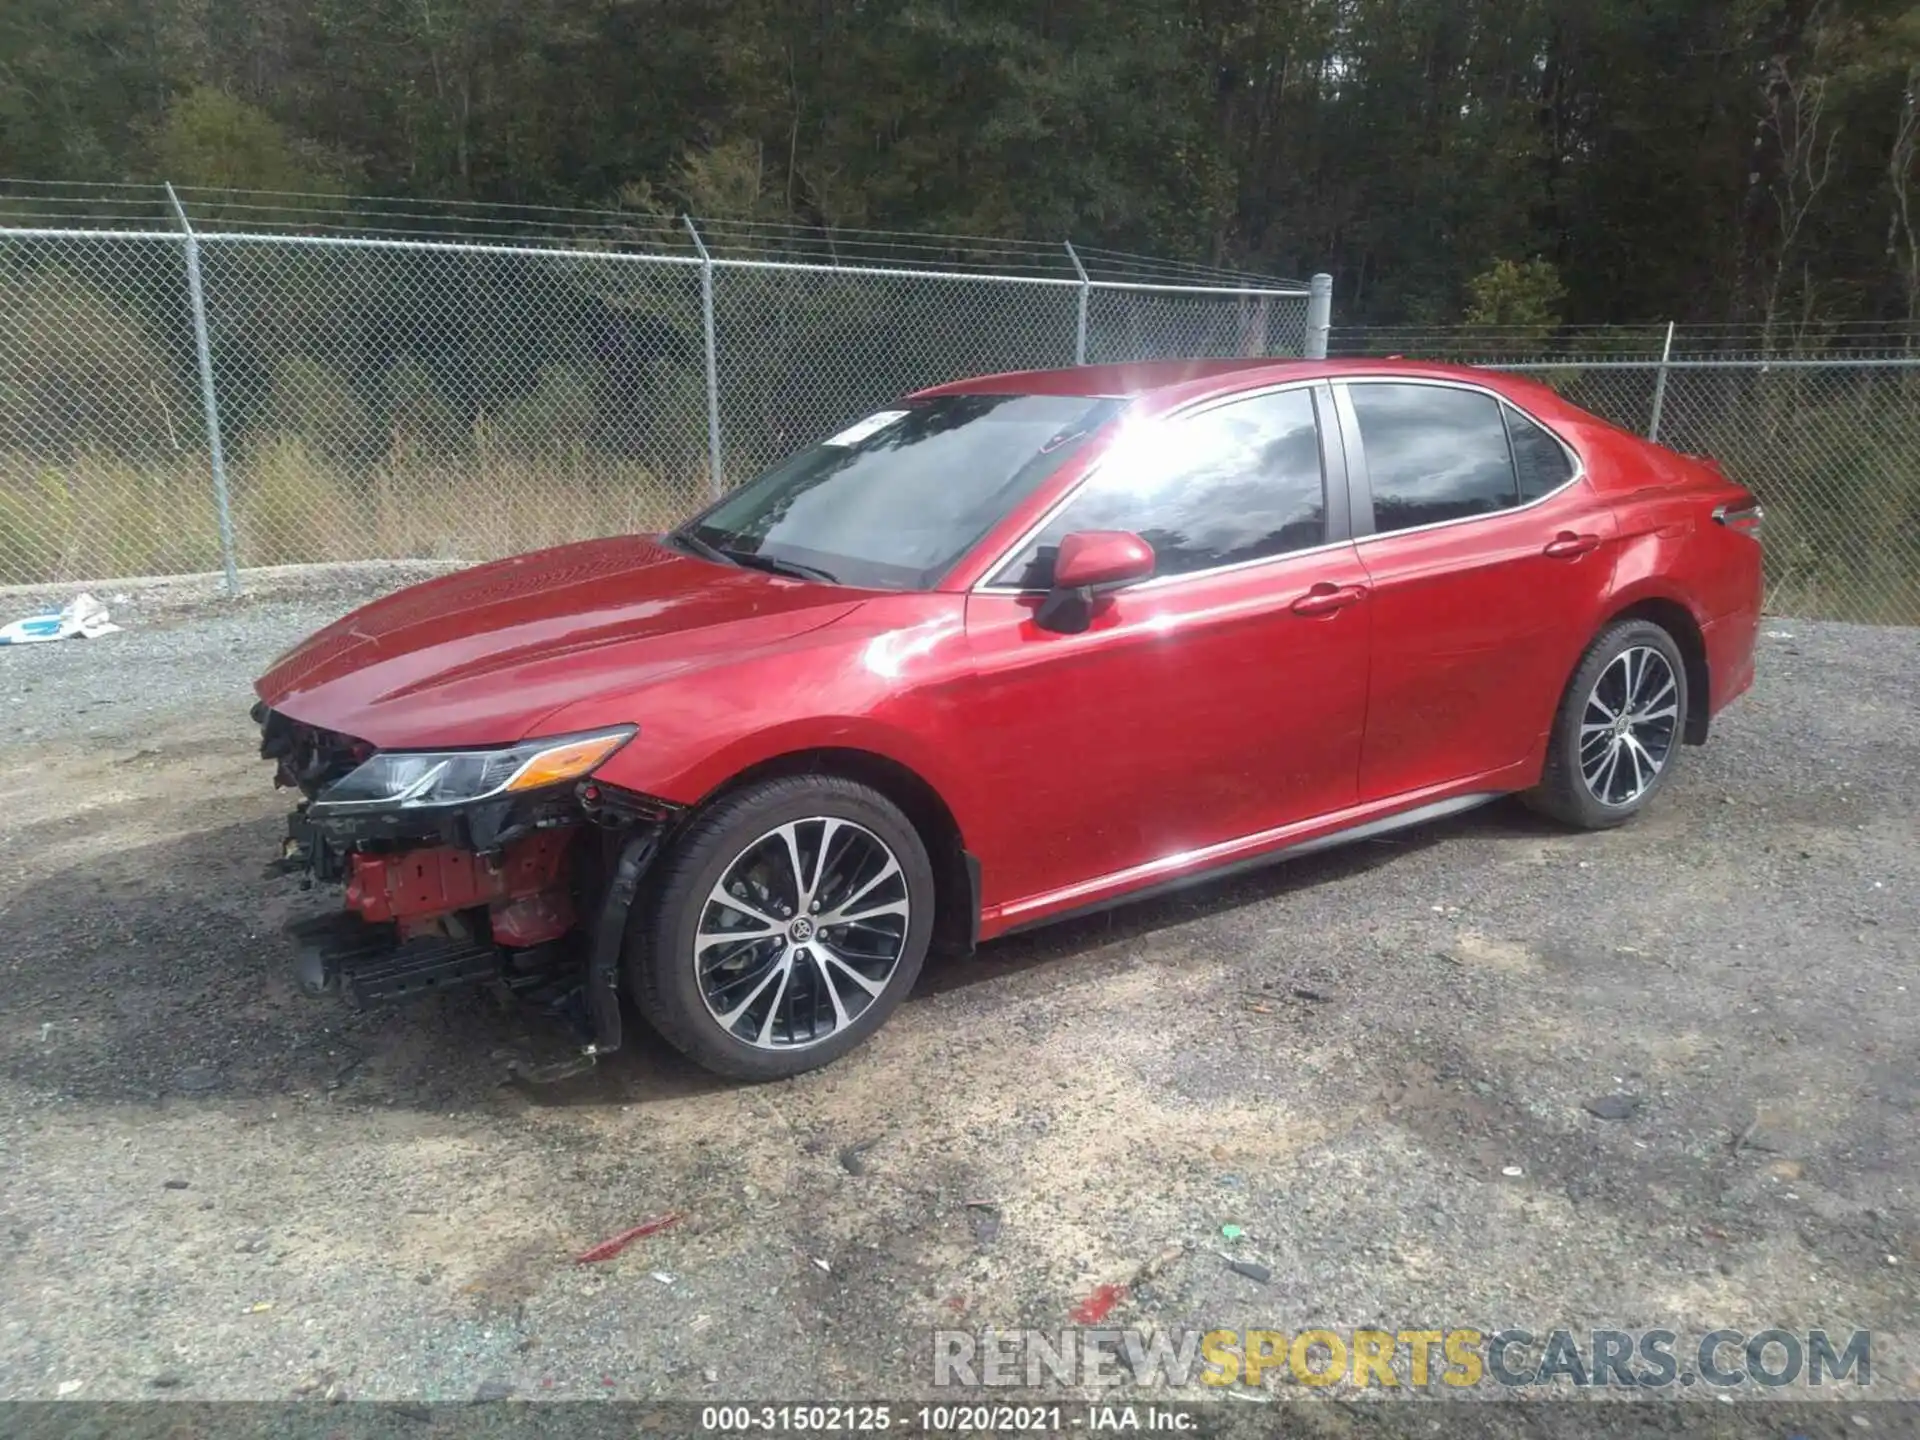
1440 1357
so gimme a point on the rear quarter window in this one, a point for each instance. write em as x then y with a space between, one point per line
1540 461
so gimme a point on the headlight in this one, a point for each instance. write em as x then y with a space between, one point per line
423 780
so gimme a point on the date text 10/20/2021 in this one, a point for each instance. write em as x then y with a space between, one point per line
946 1419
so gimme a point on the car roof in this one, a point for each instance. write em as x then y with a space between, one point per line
1103 381
1198 377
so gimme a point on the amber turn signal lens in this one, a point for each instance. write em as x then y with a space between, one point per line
564 762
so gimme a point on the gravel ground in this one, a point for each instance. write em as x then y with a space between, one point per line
1376 1062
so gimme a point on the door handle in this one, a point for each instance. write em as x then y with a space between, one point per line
1566 545
1324 599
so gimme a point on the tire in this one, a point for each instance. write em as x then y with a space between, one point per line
1636 653
841 981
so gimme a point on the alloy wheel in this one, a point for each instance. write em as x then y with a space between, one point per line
1628 728
802 933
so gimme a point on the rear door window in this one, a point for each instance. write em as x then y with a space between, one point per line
1433 453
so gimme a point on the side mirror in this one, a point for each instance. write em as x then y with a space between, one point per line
1090 561
1099 559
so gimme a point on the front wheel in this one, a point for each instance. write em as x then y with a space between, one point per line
787 923
1618 730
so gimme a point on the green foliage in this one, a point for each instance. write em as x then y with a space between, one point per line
1396 143
727 181
1629 147
557 414
80 372
210 138
417 414
1518 297
315 407
1833 461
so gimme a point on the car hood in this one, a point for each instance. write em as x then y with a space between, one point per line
484 655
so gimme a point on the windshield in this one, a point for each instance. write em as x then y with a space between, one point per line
895 500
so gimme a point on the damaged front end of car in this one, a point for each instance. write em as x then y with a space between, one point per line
509 864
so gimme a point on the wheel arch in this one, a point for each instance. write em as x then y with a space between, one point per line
1676 617
956 871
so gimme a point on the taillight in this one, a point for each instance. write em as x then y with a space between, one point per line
1744 516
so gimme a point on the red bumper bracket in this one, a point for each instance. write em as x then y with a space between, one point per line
525 886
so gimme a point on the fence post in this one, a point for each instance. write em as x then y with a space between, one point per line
203 351
1080 332
1319 315
714 482
1660 385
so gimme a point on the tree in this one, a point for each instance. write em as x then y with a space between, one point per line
1692 159
1903 243
1513 296
211 139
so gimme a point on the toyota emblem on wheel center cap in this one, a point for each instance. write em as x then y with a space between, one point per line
800 930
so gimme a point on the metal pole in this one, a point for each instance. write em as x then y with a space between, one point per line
1319 315
1080 332
1660 385
714 481
204 351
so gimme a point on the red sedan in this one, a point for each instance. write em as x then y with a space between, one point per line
1014 649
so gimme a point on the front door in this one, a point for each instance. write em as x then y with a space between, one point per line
1221 698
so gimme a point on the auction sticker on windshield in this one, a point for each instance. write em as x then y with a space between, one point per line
861 429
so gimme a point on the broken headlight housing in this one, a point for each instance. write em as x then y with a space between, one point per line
416 780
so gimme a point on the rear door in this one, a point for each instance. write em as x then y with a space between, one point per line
1489 558
1199 706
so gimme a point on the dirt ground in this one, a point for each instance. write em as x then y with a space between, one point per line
1376 1062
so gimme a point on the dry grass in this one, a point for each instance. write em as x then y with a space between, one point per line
1839 542
96 516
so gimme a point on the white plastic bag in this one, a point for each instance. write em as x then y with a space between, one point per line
83 618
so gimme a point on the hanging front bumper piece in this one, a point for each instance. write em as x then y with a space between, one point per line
529 887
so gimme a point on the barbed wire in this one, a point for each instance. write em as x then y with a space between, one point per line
1594 344
126 205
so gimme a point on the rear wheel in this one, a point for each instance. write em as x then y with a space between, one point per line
787 923
1618 730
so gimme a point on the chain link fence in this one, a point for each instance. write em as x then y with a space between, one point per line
1824 429
802 351
348 389
1129 324
103 446
233 391
385 400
